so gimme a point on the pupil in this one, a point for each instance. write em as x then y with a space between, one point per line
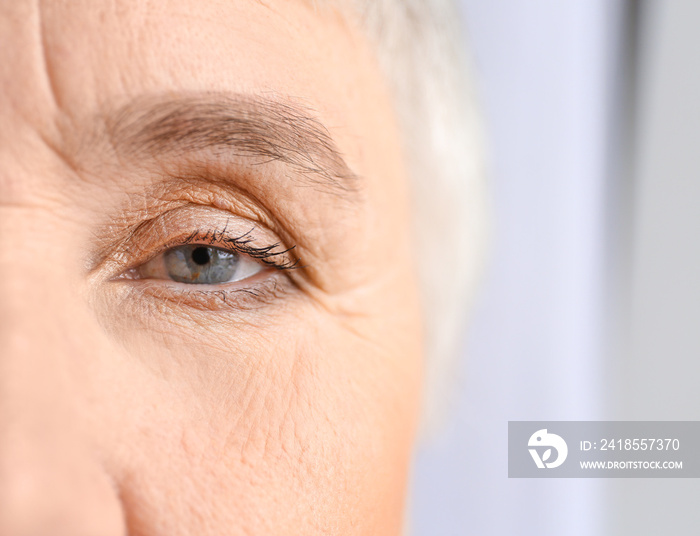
200 255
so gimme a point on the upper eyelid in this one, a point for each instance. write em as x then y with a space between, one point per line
172 194
155 235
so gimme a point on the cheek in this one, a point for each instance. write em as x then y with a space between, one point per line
307 420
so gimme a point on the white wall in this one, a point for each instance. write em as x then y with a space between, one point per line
535 345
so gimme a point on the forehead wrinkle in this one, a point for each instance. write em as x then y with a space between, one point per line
265 130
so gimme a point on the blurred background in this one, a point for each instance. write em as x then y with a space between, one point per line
590 307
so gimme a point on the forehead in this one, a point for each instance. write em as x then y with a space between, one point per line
78 58
212 39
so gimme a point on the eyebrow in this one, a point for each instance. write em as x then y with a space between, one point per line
267 130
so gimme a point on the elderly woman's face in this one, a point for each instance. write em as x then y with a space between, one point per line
208 314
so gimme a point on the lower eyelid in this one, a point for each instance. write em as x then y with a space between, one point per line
257 291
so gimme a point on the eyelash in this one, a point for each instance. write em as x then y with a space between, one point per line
242 244
216 296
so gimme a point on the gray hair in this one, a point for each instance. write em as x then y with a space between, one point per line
420 49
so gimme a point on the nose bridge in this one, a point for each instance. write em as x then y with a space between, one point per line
50 480
34 339
34 291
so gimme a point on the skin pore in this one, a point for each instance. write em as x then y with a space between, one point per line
281 403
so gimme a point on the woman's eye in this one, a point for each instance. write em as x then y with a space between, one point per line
200 264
